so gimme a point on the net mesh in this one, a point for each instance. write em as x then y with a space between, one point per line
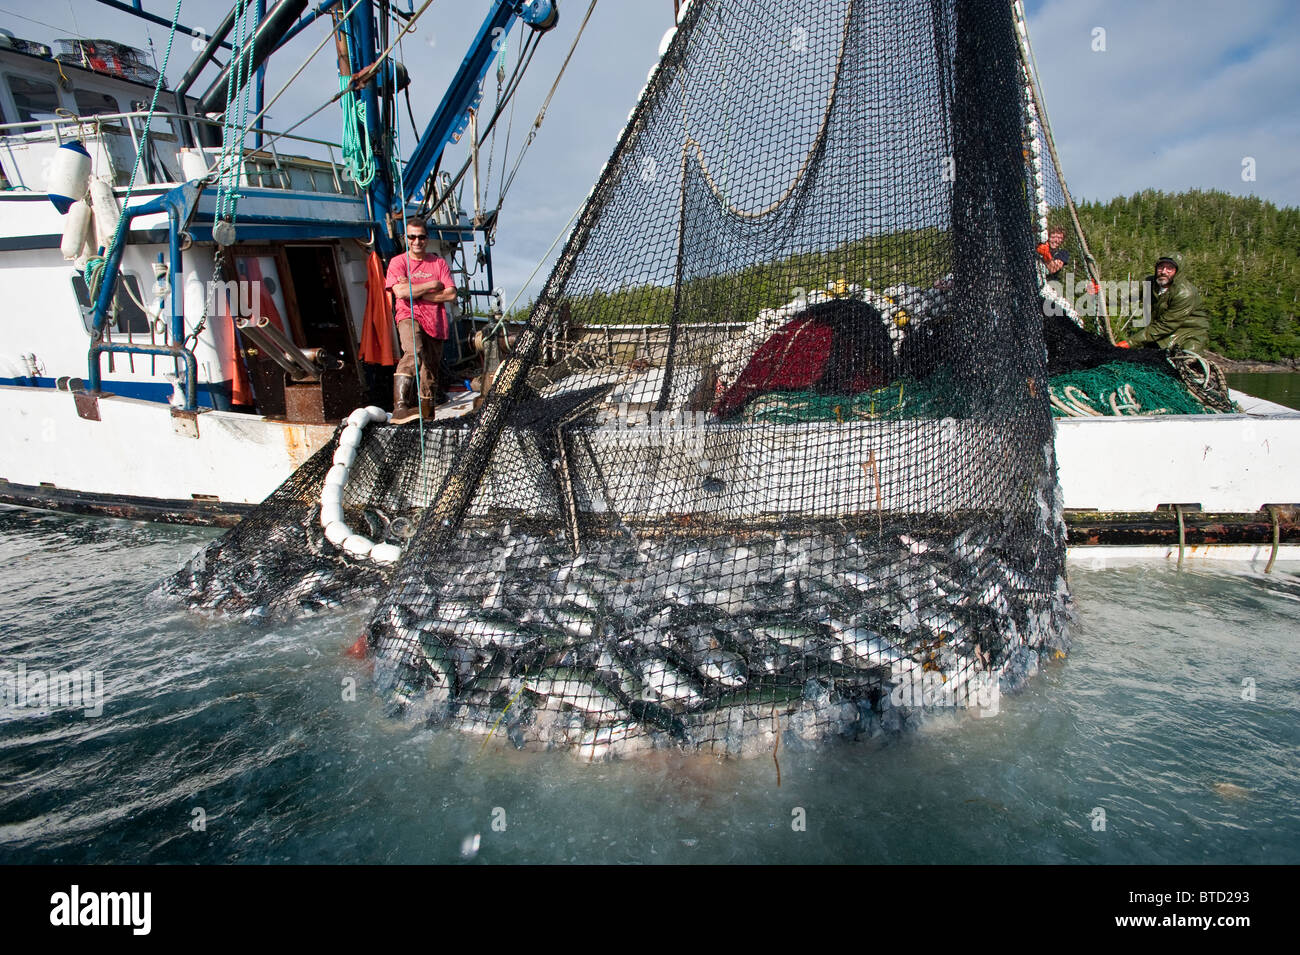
641 539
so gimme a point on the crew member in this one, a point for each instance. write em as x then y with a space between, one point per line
1178 317
1054 257
423 280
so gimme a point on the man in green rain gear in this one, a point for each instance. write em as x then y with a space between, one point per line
1178 317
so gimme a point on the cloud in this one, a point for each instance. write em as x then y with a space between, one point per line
1181 94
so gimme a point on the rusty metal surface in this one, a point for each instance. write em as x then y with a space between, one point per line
1091 528
87 405
203 513
304 403
185 423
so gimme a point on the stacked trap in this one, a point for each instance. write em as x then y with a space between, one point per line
772 462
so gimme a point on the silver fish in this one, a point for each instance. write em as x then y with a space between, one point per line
579 622
668 682
724 666
486 631
577 688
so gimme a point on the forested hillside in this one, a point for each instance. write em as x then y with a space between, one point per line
1242 253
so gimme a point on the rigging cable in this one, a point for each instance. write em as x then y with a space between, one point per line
1035 91
530 45
359 79
311 56
95 275
492 147
541 114
399 186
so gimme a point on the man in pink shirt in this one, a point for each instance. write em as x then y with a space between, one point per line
422 279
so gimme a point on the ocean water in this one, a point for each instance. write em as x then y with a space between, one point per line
1280 387
1169 735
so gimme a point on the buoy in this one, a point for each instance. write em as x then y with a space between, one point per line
377 414
358 545
359 649
385 553
331 494
88 250
331 514
345 456
337 532
351 437
106 209
666 41
75 229
337 475
69 175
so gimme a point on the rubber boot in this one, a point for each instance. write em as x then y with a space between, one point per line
403 398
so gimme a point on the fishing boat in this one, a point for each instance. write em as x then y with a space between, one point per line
695 512
213 349
183 366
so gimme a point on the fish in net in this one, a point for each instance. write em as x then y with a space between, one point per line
633 544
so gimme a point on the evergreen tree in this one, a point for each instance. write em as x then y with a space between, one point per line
1241 252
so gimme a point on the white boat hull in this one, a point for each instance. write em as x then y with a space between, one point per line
51 454
140 450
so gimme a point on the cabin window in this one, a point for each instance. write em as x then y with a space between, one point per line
126 317
34 99
94 104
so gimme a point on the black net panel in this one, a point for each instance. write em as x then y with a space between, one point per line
774 457
772 462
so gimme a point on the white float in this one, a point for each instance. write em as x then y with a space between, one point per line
106 210
69 176
332 517
337 532
75 229
385 553
358 545
351 437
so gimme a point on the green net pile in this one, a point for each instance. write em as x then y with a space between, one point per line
1116 388
904 398
1121 388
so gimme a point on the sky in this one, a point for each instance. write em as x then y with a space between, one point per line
1158 94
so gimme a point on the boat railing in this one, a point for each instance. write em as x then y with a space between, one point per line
270 167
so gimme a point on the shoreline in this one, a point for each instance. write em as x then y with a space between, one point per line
1250 366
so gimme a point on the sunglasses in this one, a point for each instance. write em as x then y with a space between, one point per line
416 238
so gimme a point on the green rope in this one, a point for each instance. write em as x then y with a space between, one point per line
902 399
234 120
357 157
94 275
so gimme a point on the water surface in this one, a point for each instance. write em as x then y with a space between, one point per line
225 741
1280 387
